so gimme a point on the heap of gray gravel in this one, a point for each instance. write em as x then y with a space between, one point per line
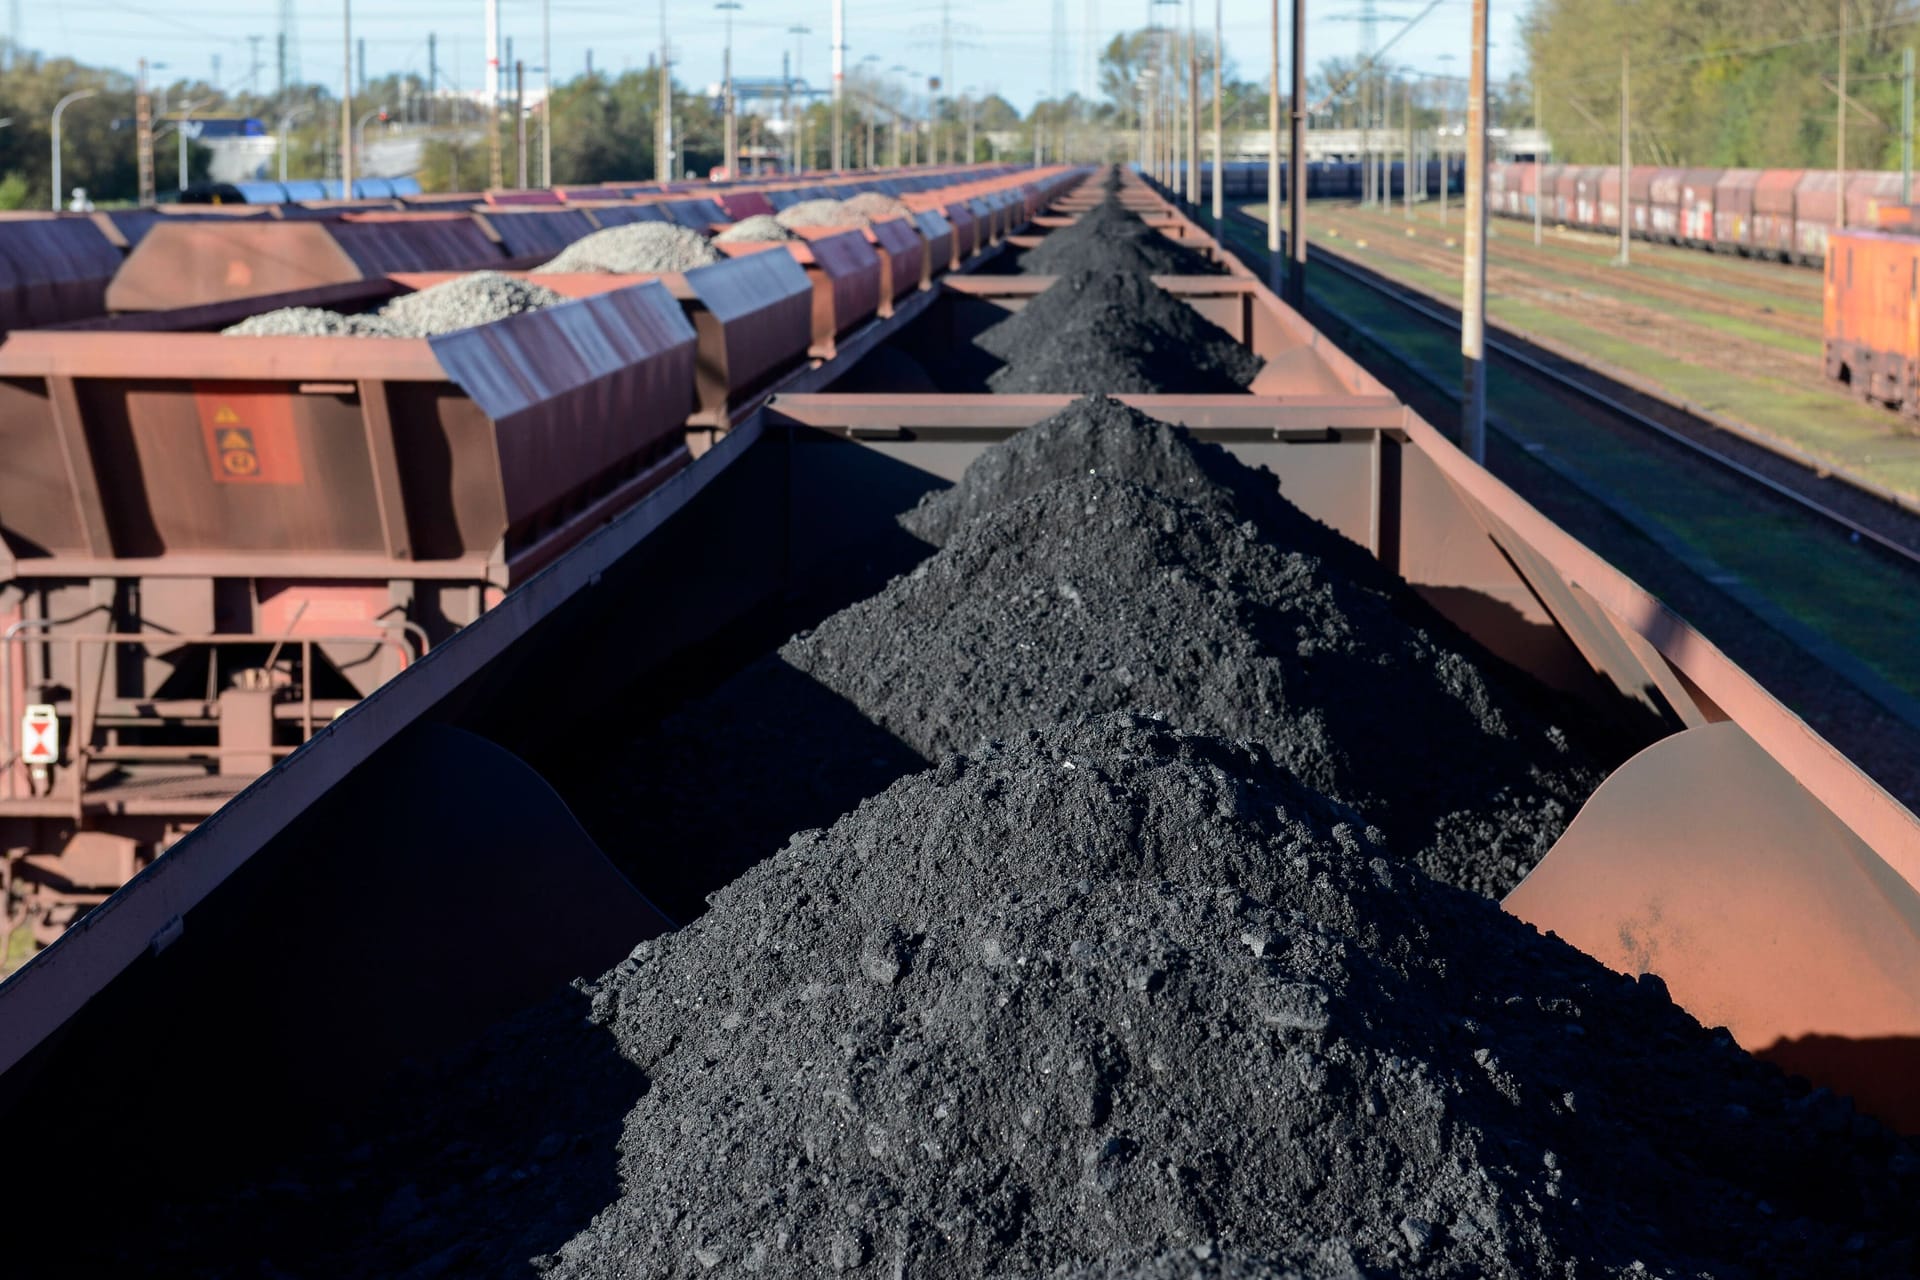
464 302
309 322
479 298
876 205
761 227
636 248
822 213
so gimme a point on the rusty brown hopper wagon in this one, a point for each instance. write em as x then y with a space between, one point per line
302 518
185 264
214 544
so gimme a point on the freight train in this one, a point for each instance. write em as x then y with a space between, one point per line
1781 214
211 546
409 874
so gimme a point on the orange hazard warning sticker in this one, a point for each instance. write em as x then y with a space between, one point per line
249 433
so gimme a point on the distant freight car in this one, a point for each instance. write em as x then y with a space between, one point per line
1786 214
1872 338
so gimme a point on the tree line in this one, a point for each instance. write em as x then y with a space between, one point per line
1749 83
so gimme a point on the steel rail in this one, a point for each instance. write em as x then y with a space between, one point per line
1423 307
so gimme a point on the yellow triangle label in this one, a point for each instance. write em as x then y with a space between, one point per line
223 415
234 440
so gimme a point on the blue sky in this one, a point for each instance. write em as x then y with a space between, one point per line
1000 45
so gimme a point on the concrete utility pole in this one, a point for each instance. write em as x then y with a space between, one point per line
1273 135
433 77
492 8
1626 166
839 80
1366 141
1219 149
797 122
1539 168
180 136
58 108
663 145
1473 302
546 93
1193 108
1297 148
1406 149
731 148
143 137
346 99
1906 125
1177 92
520 123
1840 152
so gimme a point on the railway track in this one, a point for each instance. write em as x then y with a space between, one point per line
1795 315
1862 706
1881 521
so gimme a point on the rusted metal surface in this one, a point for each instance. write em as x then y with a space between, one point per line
619 215
941 241
752 315
523 197
1706 862
903 259
515 415
53 270
577 195
526 235
1733 208
1773 211
845 273
746 204
700 215
192 263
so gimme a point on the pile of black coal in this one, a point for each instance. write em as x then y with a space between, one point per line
1118 995
1114 332
1110 237
1199 593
